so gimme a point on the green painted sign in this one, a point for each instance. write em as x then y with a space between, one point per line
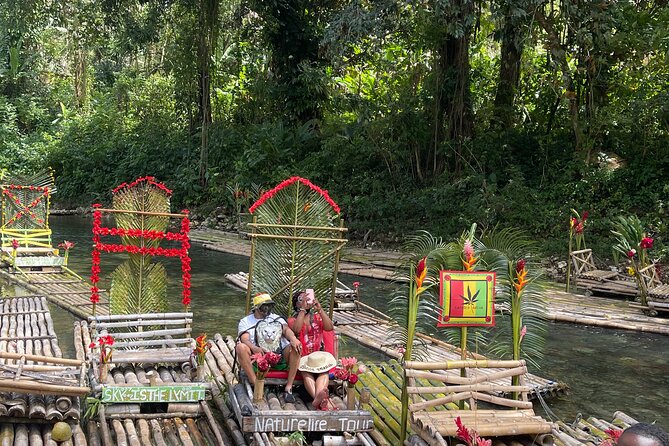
156 394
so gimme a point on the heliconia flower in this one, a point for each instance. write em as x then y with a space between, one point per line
15 244
523 332
521 276
631 253
66 245
572 222
92 345
579 228
356 284
353 378
646 243
421 272
585 216
462 432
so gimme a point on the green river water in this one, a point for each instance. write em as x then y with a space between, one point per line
607 370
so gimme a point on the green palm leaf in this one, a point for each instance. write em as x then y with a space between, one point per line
138 285
291 251
138 289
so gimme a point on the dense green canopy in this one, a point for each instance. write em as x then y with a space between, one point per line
414 114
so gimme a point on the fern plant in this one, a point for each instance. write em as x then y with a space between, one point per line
138 284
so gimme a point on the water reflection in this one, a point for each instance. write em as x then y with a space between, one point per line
607 370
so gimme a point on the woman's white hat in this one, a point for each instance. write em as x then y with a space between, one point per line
317 362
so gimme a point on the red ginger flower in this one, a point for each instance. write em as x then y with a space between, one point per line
646 243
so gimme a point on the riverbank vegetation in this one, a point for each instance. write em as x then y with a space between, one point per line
413 115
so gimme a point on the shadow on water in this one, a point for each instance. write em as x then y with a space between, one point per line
607 370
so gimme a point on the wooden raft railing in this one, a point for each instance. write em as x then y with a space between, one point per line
584 266
146 338
658 292
444 382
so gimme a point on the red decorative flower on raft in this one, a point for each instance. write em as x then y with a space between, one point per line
182 236
269 194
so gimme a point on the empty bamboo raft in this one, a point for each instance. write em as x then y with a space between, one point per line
602 312
175 424
358 261
61 288
374 332
31 373
240 280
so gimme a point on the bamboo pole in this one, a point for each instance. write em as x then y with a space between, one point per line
93 434
341 228
41 358
157 433
153 214
35 436
144 432
297 237
212 422
333 286
470 363
104 427
251 260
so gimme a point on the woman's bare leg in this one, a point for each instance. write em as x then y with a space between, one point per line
309 383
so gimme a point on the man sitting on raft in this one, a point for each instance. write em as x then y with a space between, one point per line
263 331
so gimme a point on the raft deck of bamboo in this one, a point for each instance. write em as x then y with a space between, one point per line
174 423
61 288
31 363
362 262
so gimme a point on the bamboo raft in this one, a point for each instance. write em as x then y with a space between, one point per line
61 288
361 262
36 381
240 281
174 423
273 415
376 335
602 312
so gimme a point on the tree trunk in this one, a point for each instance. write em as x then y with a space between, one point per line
453 109
208 21
509 74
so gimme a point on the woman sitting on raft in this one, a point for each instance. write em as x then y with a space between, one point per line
309 322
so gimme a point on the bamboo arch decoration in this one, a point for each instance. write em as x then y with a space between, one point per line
25 201
139 285
296 242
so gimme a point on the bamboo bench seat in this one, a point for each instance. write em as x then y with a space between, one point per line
150 338
658 292
508 416
584 267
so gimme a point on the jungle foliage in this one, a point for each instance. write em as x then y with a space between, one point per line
419 114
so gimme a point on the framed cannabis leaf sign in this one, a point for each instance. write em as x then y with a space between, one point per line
466 298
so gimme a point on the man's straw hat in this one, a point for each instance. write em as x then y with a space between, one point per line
317 362
261 299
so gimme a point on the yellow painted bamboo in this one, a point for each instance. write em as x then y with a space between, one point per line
458 364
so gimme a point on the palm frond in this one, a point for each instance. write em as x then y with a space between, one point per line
293 251
138 285
138 288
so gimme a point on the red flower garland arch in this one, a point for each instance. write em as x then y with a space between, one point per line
182 236
288 182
